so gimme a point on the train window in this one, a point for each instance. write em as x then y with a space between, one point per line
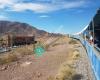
87 36
92 33
97 38
97 30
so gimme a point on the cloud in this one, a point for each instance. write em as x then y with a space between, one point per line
2 17
41 7
28 6
5 3
44 16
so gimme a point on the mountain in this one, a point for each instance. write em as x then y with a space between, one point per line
17 28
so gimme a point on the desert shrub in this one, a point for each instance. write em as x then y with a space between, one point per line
56 44
9 58
46 47
22 51
25 52
76 54
50 78
72 41
65 72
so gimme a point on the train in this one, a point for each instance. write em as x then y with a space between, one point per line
9 41
14 41
92 45
20 40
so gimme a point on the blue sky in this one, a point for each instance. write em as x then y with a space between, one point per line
63 16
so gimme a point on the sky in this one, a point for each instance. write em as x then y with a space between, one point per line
58 16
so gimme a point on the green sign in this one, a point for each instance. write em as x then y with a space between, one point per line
39 50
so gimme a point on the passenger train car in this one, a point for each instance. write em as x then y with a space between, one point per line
90 38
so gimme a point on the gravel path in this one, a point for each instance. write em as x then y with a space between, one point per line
83 66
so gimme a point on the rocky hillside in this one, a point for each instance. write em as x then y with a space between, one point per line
18 28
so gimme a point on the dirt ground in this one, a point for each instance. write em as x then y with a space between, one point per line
32 67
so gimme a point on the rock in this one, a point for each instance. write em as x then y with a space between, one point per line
24 64
39 75
3 68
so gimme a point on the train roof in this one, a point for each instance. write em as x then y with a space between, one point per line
82 30
94 24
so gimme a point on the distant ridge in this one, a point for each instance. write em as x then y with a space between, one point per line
18 28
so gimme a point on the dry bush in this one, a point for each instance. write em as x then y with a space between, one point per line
73 41
76 55
65 72
73 54
8 58
50 78
46 47
16 54
55 41
56 44
67 69
25 50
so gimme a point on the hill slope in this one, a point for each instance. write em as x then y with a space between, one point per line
18 28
